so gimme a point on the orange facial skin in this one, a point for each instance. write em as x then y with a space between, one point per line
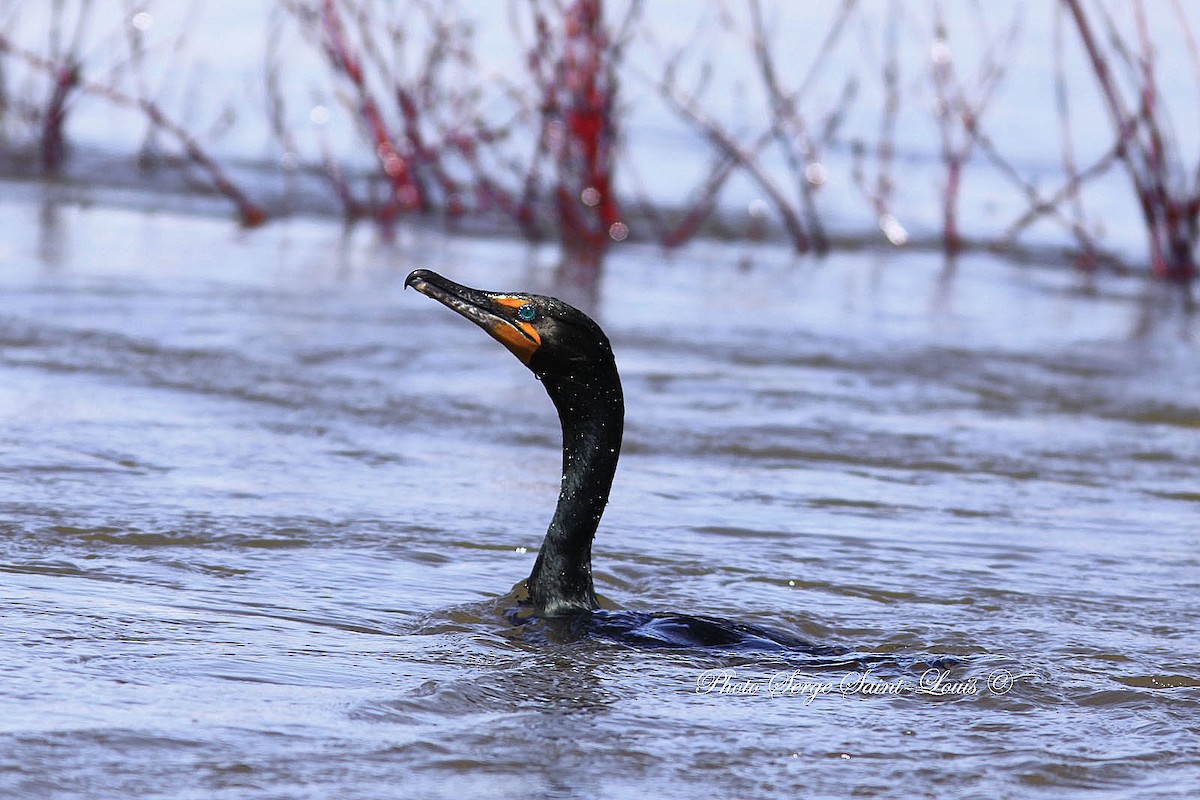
518 336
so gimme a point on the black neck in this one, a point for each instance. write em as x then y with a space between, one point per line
592 411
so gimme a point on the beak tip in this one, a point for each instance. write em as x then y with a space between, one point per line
416 279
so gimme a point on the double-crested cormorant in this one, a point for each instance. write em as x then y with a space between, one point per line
572 357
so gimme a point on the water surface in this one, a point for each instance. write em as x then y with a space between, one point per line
256 498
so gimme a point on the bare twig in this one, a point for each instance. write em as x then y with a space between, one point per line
959 110
879 196
249 212
1170 217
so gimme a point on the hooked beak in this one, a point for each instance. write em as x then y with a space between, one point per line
492 311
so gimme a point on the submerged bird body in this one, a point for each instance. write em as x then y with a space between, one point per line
572 357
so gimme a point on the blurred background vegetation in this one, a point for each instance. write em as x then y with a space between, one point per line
1045 131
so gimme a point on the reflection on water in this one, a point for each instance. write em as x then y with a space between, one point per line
257 499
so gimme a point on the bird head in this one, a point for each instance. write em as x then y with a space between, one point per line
546 334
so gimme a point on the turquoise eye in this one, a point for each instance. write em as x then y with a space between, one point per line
527 312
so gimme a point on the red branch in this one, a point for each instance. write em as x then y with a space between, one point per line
406 192
1171 221
249 212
